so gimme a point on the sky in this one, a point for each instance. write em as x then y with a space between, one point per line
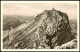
30 9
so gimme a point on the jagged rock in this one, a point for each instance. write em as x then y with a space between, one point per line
69 45
56 28
49 29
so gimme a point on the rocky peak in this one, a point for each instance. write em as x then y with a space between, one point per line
49 29
55 27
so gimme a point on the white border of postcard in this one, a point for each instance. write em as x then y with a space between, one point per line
39 2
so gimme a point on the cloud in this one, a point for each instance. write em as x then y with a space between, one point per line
36 8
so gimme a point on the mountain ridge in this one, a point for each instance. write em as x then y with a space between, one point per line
49 29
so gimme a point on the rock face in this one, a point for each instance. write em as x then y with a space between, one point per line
69 45
55 28
49 29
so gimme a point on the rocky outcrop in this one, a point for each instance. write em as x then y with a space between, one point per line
55 29
69 45
49 29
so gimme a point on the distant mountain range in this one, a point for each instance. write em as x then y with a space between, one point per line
14 20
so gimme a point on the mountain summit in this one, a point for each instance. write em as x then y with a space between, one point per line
49 29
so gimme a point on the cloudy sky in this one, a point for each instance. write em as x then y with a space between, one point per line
30 9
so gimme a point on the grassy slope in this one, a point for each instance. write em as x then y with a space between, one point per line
10 22
14 20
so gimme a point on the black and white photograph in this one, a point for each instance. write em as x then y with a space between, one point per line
40 25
